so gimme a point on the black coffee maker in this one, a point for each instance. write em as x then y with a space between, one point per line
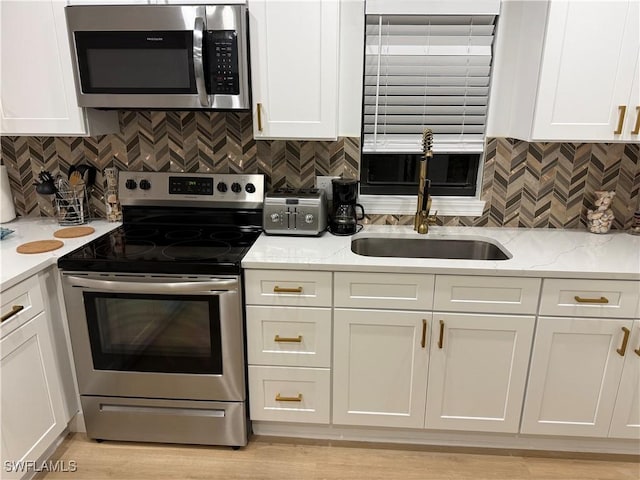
344 213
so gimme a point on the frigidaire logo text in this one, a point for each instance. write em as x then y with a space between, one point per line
155 39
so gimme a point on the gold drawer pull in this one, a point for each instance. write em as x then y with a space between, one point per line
623 110
441 338
297 339
636 130
14 310
623 348
591 300
278 289
637 351
259 108
423 342
288 399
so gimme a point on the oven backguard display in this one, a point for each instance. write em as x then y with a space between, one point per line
154 333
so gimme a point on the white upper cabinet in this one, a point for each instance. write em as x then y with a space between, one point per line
572 80
294 68
37 93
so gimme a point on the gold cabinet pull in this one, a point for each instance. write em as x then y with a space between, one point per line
259 108
297 339
591 300
288 399
278 289
637 351
441 337
423 342
622 109
636 129
623 348
14 310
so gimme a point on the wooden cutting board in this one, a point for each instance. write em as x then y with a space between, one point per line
39 246
73 232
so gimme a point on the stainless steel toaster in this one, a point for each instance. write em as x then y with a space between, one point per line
290 211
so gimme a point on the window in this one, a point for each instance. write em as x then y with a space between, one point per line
425 71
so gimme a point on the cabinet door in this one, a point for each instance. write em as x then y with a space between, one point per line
626 414
37 93
590 54
294 68
379 367
31 403
477 371
574 376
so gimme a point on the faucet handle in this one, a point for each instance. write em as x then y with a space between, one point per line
431 219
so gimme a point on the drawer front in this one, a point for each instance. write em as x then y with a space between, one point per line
591 298
288 287
21 303
486 294
384 290
287 394
289 336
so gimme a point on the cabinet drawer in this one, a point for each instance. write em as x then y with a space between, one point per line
590 298
25 299
486 294
289 336
384 290
288 394
288 287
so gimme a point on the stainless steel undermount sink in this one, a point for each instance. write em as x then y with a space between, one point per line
429 247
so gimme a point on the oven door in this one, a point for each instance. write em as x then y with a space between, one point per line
158 336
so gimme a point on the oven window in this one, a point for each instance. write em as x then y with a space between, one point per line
154 333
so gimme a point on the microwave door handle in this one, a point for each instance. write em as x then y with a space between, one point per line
198 66
161 288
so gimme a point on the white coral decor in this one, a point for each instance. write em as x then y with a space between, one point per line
600 219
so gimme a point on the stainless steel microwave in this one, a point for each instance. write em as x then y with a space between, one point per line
160 56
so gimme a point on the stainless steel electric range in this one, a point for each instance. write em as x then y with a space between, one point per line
155 310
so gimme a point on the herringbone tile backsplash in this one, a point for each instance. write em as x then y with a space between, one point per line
524 184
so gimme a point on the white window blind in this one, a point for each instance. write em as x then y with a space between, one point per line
426 71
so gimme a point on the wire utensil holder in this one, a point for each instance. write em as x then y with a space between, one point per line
73 206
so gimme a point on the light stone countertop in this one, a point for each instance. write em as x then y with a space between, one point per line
15 267
535 253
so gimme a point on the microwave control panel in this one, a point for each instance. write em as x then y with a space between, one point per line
222 56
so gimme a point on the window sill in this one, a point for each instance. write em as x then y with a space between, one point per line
406 205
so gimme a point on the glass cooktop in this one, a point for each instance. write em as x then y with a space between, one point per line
147 248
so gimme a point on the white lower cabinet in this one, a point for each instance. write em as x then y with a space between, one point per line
477 371
445 352
626 414
380 366
31 403
289 345
287 394
574 376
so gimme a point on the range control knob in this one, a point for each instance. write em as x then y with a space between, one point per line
222 187
308 218
236 187
145 184
275 217
250 188
131 184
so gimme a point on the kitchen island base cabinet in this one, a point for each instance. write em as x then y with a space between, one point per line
477 371
574 376
379 367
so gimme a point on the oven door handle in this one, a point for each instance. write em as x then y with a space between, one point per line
175 287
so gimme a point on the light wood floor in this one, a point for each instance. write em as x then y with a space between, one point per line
289 459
